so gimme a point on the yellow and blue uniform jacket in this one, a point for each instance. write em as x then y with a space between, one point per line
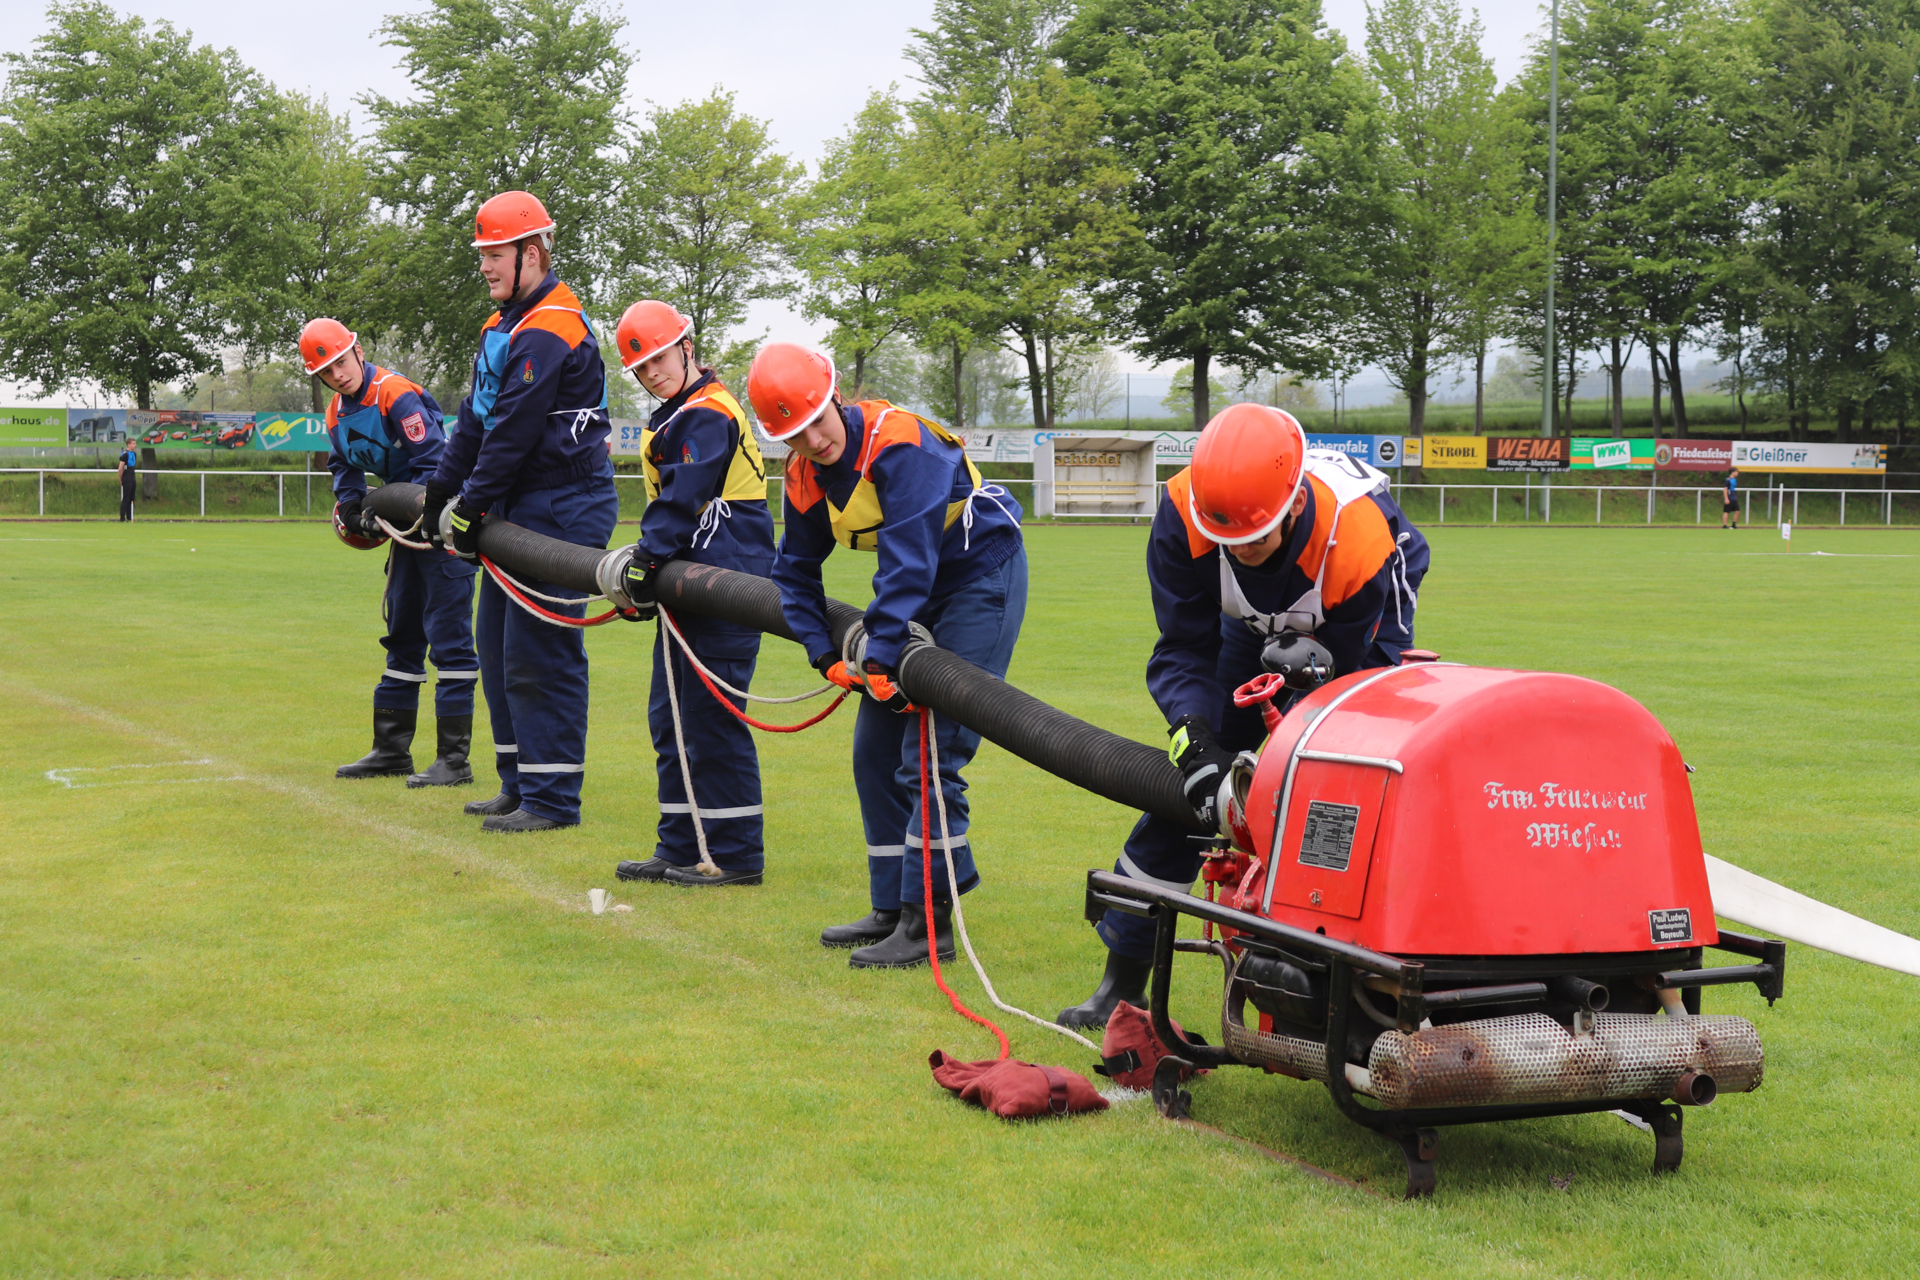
703 473
904 488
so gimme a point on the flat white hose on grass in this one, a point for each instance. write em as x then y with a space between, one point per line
1760 903
959 916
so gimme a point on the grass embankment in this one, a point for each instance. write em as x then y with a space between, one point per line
258 1021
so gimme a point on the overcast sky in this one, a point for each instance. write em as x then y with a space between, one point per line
805 68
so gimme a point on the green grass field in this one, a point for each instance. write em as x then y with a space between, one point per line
254 1021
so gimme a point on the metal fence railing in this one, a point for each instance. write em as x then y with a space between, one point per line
93 491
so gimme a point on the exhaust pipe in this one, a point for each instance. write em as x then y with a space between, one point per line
1695 1089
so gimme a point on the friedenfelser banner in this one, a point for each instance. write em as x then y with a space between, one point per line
33 428
1454 453
1692 455
1590 454
1810 459
1529 453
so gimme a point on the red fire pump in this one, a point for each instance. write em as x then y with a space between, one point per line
1456 894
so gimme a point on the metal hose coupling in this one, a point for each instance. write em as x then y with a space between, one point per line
610 575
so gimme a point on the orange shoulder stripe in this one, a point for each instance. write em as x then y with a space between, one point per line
391 388
802 489
1178 490
1363 543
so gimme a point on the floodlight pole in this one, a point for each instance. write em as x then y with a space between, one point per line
1553 184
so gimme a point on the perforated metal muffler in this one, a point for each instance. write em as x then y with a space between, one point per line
1532 1058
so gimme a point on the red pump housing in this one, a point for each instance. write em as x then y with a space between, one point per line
1443 810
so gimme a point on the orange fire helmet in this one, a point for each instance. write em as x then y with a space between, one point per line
511 216
323 341
790 386
646 329
1247 467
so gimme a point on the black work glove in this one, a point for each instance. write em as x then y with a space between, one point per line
884 688
1203 765
350 517
639 589
438 495
465 522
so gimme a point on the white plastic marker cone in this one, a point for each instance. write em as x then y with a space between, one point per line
1777 910
597 899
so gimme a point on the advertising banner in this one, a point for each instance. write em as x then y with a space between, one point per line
1810 459
171 428
96 427
625 440
33 428
1529 453
1375 451
1175 448
1412 452
1590 454
1455 453
291 432
1692 455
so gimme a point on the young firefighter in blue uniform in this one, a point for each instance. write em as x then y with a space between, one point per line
707 503
1255 540
128 466
380 423
872 477
530 446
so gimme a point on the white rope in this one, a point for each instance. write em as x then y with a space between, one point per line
694 661
400 535
959 916
504 575
686 769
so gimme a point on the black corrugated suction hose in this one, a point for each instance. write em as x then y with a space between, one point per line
1119 769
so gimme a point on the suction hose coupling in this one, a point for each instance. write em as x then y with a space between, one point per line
1695 1089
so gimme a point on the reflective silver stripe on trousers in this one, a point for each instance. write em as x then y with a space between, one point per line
506 748
951 842
1132 871
405 675
744 811
886 850
459 675
553 768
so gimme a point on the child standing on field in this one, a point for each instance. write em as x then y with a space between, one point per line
1730 501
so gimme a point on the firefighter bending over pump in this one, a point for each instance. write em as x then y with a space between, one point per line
873 477
1259 540
707 504
380 423
530 446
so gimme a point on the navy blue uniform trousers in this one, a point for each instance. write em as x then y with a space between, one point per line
534 672
980 622
428 606
720 749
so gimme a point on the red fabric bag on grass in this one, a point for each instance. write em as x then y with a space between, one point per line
1129 1051
1016 1090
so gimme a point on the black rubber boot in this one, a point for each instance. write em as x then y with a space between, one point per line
505 802
653 869
449 768
392 739
520 820
875 926
1125 979
694 878
906 946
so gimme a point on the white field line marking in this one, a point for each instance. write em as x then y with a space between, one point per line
567 898
65 776
1836 555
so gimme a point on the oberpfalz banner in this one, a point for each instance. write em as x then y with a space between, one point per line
1810 459
1529 453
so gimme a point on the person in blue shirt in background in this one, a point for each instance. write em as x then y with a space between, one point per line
1730 501
531 445
706 503
129 469
379 423
873 477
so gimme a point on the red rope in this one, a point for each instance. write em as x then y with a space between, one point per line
926 902
561 618
738 714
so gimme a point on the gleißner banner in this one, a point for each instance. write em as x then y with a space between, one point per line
1822 459
1692 455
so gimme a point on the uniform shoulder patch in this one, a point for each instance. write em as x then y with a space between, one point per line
529 370
415 425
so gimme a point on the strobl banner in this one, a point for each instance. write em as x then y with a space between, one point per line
1810 459
33 428
1454 453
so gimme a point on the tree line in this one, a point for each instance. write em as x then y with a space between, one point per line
1220 184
